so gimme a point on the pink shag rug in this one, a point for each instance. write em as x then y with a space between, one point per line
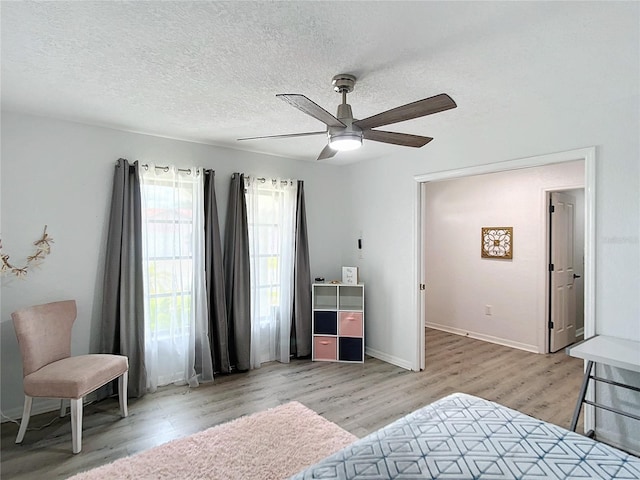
273 444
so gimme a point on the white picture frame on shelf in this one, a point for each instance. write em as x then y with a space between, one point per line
350 275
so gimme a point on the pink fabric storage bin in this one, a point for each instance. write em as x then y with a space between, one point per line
325 348
350 324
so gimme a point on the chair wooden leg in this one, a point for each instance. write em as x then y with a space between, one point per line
26 415
63 408
122 393
76 424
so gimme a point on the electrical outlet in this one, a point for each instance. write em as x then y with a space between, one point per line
487 309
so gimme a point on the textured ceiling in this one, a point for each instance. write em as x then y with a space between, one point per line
209 71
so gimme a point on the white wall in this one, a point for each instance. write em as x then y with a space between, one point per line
385 202
460 283
61 174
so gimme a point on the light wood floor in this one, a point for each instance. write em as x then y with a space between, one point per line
359 397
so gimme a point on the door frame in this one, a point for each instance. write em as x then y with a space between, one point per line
588 155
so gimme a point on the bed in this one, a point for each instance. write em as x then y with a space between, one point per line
464 437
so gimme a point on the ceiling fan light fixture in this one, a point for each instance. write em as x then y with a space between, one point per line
345 142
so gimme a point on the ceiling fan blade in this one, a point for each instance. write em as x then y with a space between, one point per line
327 152
287 135
305 105
395 138
423 107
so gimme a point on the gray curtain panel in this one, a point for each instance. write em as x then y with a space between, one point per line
301 321
214 267
122 303
236 275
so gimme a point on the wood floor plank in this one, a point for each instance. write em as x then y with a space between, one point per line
359 397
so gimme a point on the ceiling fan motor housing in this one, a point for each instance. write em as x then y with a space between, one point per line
348 137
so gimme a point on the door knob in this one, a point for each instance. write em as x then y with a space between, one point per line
576 276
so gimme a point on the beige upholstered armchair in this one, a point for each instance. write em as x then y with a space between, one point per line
49 370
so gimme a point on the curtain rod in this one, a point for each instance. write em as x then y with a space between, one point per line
166 168
263 180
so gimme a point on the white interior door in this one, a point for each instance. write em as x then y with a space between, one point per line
562 322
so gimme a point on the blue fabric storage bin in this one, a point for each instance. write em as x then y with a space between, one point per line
350 349
325 323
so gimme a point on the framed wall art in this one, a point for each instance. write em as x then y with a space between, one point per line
497 242
350 275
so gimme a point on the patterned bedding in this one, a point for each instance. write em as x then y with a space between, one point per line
464 437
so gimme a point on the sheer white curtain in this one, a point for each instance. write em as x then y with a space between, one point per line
271 206
176 327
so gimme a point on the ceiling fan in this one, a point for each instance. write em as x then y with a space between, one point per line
346 133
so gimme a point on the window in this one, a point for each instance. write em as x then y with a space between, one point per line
173 257
264 226
169 256
271 222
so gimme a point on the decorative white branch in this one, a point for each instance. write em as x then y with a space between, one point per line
43 248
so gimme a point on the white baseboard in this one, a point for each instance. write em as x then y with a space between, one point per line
399 362
38 406
487 338
42 405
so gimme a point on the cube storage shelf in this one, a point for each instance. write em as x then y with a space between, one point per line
338 322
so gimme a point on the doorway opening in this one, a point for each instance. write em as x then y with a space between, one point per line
587 155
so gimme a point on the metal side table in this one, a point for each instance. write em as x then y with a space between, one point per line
616 352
